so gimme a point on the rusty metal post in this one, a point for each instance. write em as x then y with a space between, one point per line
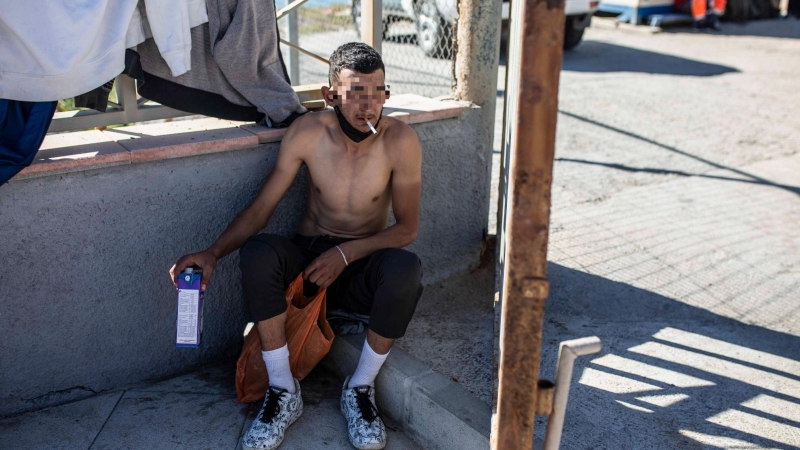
539 37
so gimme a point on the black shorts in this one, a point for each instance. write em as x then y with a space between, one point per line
385 286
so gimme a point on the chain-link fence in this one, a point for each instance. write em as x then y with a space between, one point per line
417 49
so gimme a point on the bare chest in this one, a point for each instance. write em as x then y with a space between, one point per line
346 181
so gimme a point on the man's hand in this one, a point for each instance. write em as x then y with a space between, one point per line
205 260
324 270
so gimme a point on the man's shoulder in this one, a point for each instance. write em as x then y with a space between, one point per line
313 121
398 131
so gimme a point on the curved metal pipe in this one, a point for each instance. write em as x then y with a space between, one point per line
567 352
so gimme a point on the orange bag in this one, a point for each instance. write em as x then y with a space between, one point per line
308 335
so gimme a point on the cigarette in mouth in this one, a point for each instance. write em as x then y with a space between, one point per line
371 127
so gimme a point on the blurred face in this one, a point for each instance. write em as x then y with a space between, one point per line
359 96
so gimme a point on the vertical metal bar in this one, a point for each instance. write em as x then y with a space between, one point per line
292 31
501 184
372 23
525 287
126 94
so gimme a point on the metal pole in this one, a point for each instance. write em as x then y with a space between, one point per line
305 52
294 57
567 352
372 23
540 35
126 96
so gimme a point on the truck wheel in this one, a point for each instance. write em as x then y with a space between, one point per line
355 12
572 34
433 34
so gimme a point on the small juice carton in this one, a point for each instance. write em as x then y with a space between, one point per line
190 309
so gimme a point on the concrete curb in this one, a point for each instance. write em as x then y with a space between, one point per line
432 409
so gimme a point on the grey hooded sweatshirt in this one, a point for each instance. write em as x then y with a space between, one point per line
237 71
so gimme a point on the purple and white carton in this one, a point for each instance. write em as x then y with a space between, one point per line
190 309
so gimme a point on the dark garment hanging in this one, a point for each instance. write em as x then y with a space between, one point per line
96 99
225 81
22 129
197 101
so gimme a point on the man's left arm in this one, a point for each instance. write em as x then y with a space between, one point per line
406 193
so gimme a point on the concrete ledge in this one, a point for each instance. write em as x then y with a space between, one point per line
438 413
201 143
68 152
95 149
265 135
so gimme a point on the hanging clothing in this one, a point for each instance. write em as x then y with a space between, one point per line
55 49
168 23
59 49
96 99
225 81
22 129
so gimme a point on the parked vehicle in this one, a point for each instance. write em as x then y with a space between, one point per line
579 15
434 20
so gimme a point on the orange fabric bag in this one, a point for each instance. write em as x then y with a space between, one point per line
309 337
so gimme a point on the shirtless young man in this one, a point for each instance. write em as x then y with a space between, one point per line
343 242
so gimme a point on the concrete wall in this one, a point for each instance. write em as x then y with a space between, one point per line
85 301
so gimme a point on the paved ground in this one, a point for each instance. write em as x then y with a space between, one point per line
197 411
676 238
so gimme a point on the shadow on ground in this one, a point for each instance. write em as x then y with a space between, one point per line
453 326
601 57
772 28
741 176
670 376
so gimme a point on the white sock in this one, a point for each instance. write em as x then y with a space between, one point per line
280 375
368 366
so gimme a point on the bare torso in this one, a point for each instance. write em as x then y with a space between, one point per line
350 191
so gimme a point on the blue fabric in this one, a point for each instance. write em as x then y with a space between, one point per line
22 129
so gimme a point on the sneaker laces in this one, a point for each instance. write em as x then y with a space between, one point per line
272 406
365 406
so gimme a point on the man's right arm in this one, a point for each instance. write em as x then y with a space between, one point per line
256 216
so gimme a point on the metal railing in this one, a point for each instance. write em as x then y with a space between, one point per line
130 108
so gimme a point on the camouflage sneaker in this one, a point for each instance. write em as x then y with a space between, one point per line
280 410
364 426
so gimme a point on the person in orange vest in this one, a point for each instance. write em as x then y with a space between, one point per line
703 18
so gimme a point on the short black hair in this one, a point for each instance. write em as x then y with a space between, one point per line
356 56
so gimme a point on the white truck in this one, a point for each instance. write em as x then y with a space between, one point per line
434 21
